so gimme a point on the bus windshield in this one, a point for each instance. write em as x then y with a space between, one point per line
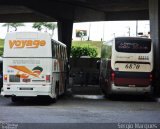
132 45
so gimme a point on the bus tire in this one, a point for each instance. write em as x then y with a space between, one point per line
65 87
104 91
16 99
56 93
110 96
101 87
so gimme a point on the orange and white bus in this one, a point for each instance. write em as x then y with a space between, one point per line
33 65
130 68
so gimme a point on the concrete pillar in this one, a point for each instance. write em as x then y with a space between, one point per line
65 33
154 16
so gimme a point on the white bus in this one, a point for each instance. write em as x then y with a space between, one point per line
33 65
130 68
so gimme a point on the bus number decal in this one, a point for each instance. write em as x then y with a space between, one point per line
132 66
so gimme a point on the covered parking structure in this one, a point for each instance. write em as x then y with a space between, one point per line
66 12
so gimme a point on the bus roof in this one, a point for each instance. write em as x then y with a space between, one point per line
58 42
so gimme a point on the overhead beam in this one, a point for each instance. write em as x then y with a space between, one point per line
109 5
85 14
56 10
77 11
14 9
92 15
127 15
25 17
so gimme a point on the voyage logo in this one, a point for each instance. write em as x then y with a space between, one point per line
26 43
25 72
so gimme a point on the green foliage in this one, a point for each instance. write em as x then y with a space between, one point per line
45 25
77 52
1 51
50 26
92 44
1 46
14 25
106 51
38 25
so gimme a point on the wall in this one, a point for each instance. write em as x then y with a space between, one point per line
84 71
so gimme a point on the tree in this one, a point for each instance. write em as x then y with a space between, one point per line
38 25
106 51
81 35
51 26
77 52
13 25
45 25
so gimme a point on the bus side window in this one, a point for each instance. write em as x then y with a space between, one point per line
53 50
103 68
59 48
61 52
63 57
57 51
65 53
107 68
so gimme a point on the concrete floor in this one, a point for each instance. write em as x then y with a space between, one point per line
87 110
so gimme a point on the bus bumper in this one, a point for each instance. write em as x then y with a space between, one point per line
27 91
132 90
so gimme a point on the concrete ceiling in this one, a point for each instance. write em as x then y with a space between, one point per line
74 10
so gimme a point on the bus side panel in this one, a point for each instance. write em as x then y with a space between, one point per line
59 74
105 75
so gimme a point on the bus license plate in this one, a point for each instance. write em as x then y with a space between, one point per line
26 88
132 66
132 85
135 67
26 80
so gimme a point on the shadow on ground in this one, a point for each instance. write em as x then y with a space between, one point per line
89 93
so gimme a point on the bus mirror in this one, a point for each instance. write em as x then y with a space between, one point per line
98 64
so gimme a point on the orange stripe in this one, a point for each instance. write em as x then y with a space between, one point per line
25 70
